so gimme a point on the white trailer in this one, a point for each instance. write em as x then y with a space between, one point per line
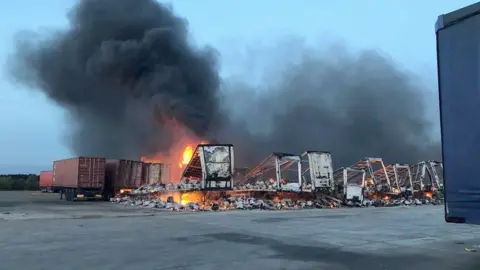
318 171
212 165
353 183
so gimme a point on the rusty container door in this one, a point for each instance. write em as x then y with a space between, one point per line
135 179
91 172
124 173
65 173
152 173
166 176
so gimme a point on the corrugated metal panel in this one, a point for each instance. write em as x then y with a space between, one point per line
124 173
156 173
91 172
321 169
152 173
80 172
166 173
46 179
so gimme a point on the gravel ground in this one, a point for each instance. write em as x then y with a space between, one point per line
63 235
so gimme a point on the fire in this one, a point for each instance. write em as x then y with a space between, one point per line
195 197
186 156
179 152
369 182
428 195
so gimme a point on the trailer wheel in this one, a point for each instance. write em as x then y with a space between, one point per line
68 194
61 194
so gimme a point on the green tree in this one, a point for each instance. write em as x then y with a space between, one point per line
31 182
6 183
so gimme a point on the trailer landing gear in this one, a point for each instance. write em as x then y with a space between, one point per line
69 193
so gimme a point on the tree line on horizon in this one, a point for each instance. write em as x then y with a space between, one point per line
19 182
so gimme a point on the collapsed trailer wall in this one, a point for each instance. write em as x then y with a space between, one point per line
212 165
458 40
217 163
317 170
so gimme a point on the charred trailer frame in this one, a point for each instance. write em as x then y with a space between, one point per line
403 178
213 165
434 165
367 165
319 168
425 169
386 181
278 163
80 178
122 176
352 183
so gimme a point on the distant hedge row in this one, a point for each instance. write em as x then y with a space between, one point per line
19 182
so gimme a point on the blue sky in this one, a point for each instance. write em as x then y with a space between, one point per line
32 128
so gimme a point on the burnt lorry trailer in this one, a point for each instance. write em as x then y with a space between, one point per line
212 165
122 176
79 178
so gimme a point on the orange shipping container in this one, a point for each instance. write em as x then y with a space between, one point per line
79 172
46 179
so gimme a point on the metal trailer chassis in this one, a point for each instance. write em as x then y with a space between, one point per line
77 194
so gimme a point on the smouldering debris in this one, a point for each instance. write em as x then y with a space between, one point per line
183 200
185 184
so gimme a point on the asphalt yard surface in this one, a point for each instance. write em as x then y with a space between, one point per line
39 231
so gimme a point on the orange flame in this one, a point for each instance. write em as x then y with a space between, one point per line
186 157
179 152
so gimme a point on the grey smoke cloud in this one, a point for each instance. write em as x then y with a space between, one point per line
122 67
352 104
119 68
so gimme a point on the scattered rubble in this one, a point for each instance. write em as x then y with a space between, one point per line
258 185
398 202
185 184
263 200
270 185
226 203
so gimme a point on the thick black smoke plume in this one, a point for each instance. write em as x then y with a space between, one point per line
351 104
123 67
118 62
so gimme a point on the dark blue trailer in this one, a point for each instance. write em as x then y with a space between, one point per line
458 60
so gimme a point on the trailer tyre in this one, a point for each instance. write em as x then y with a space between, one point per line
68 194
